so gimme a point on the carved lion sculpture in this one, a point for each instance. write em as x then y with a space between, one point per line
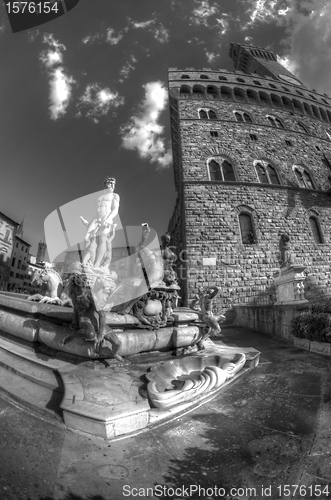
83 294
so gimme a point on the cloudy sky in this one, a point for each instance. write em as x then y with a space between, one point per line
85 95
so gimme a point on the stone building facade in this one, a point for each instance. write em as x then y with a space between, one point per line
252 161
8 230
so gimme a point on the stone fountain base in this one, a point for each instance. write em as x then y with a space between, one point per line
103 396
113 400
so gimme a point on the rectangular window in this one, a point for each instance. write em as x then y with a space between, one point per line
253 137
13 262
288 143
213 133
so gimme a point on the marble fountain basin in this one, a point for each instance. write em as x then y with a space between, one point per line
177 381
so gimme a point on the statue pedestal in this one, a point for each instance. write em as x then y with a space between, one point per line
290 287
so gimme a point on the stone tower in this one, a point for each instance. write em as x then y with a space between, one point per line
41 251
252 160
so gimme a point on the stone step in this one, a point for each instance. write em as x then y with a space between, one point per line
32 395
31 378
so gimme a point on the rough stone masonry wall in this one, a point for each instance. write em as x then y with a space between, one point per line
245 272
234 141
210 209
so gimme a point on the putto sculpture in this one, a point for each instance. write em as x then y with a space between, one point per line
202 303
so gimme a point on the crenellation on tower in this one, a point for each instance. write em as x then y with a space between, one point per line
250 163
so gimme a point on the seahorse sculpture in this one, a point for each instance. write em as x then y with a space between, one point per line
54 293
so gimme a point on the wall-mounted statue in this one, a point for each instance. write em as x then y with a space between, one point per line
287 257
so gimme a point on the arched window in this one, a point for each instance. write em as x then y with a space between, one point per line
204 77
221 171
287 103
275 122
266 173
257 82
198 91
252 96
238 116
265 99
247 118
222 78
214 171
323 115
212 91
276 101
240 80
185 77
242 116
226 93
303 177
307 109
302 127
207 114
315 111
316 230
185 91
246 229
212 115
239 94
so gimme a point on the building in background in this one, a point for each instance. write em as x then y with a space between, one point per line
251 150
41 252
19 264
8 230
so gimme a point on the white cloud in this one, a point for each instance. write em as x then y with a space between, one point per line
60 83
202 13
53 55
127 68
91 38
287 63
142 24
308 41
211 56
143 133
60 94
261 11
111 38
224 24
160 33
98 102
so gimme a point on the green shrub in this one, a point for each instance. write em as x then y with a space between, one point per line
312 326
321 307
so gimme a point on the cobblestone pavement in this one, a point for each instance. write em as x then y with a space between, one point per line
269 430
